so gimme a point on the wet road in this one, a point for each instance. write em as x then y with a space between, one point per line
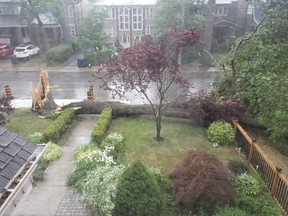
74 85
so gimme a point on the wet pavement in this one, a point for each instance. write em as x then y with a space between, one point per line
51 196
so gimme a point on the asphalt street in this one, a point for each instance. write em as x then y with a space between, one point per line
71 83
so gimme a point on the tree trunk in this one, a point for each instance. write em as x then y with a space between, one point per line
158 126
50 103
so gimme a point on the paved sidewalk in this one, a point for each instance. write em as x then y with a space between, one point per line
51 196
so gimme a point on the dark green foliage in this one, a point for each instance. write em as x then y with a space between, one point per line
59 126
262 205
190 55
137 192
102 125
59 54
202 183
230 211
237 167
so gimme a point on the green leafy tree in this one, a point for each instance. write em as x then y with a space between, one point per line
184 15
137 192
256 71
91 31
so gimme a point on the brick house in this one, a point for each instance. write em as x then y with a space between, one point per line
128 20
13 29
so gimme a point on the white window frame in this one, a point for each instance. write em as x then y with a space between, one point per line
148 30
148 12
111 12
70 11
110 31
137 18
127 38
124 19
220 11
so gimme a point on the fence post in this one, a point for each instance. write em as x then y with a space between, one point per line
275 181
251 151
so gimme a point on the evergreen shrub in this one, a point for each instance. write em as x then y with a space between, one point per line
59 54
221 133
137 192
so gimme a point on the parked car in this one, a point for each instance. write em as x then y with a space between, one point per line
26 51
6 50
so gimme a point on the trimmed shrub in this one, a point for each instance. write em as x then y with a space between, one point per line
52 153
137 192
237 167
36 137
247 184
102 125
221 133
202 183
59 126
229 211
59 54
100 189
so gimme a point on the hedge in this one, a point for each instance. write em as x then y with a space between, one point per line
59 126
59 54
102 125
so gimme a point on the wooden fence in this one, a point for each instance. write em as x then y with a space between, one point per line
257 159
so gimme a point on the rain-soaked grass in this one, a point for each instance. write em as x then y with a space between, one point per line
180 136
25 122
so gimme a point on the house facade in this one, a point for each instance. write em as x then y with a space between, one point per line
128 21
13 29
74 12
229 22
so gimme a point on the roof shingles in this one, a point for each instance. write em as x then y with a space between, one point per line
14 153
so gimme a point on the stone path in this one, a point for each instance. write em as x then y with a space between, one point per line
51 196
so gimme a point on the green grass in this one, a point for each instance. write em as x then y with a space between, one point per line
179 137
25 122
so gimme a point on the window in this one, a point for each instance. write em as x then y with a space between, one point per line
49 33
148 30
125 39
110 31
149 12
70 11
111 12
124 18
220 11
137 18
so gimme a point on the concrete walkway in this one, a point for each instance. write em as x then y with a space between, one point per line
51 196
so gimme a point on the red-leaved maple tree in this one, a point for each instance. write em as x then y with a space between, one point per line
151 65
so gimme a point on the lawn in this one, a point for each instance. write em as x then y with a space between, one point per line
25 122
180 136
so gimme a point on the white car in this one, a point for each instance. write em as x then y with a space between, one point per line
26 51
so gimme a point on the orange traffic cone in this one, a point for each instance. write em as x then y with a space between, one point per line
8 92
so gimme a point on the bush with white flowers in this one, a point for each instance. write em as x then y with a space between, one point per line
100 189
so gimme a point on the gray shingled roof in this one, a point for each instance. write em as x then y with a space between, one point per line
14 153
12 21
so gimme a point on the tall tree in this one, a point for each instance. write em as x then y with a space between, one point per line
148 64
33 9
91 31
177 13
257 71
